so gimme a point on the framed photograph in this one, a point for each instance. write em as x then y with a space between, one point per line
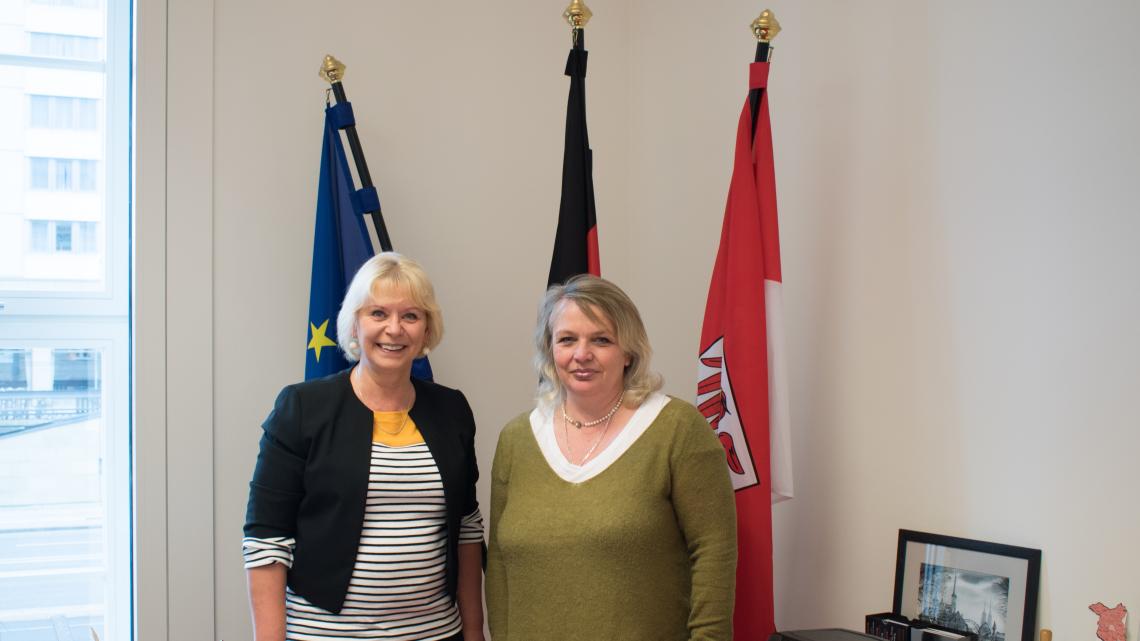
988 589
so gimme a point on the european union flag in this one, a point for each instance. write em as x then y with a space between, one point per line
341 244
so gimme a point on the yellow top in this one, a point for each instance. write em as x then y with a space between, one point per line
395 429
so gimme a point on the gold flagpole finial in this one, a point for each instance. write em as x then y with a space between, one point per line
577 14
765 27
332 70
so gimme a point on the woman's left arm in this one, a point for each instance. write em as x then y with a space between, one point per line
706 512
471 590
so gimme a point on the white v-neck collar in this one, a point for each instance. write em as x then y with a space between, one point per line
542 424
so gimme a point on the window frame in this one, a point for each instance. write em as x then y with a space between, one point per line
95 319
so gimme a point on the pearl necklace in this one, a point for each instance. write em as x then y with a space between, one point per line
605 419
601 437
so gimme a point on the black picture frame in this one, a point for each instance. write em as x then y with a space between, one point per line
999 585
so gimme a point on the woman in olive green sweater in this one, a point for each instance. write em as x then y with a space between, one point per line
612 514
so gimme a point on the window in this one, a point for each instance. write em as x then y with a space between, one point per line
62 174
65 433
65 175
64 236
75 369
13 369
38 171
39 241
58 45
85 237
86 175
62 112
78 4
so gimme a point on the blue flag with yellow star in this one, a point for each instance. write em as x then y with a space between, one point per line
341 244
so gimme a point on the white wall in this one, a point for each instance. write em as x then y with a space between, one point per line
959 207
958 194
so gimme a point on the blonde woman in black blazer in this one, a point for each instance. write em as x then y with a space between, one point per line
360 527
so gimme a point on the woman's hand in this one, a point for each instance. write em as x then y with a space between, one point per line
471 590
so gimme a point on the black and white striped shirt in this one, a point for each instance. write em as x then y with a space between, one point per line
398 589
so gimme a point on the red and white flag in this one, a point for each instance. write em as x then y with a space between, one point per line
742 388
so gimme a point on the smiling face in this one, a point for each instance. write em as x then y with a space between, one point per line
391 330
589 362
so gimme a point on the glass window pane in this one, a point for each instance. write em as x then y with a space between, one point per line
13 369
81 167
65 493
53 530
38 173
63 174
62 236
80 4
39 44
58 45
39 239
86 239
75 369
87 175
86 113
61 112
38 111
87 48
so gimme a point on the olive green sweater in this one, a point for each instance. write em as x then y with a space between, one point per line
644 550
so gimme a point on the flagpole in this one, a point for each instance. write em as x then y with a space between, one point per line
764 27
332 70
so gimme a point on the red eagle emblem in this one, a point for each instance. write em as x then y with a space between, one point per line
715 402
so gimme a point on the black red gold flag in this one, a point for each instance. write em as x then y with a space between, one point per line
576 240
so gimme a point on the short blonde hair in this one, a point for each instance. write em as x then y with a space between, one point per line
387 270
605 303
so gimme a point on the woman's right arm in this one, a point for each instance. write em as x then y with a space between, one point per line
267 563
267 601
271 515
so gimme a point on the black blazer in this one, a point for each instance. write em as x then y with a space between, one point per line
311 478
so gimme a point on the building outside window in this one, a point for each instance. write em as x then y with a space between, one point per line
76 369
38 172
62 112
57 45
80 237
13 369
65 433
39 235
86 236
63 238
77 4
62 174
